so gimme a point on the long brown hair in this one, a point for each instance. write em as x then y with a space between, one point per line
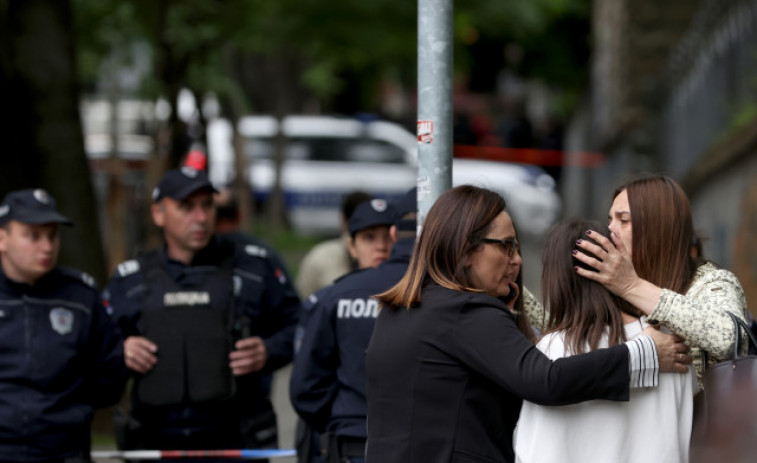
454 227
581 308
663 231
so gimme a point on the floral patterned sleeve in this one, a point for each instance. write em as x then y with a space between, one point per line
535 312
700 315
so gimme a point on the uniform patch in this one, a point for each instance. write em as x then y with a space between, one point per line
108 308
379 205
280 275
41 196
128 267
253 250
237 280
299 335
186 298
62 320
190 172
357 308
88 280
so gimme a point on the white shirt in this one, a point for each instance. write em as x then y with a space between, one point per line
655 425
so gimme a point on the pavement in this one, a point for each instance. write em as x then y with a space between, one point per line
287 418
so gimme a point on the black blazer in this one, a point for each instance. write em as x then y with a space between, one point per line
445 380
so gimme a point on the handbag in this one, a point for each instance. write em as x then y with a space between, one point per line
727 423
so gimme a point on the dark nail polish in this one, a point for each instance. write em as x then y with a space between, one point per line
578 241
575 268
574 252
588 232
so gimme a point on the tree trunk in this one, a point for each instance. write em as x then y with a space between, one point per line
45 133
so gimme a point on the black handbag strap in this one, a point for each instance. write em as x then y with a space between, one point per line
738 322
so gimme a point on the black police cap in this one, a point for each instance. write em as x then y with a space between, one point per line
407 204
32 206
178 184
371 213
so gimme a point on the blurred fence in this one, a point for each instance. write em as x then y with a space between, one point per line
712 81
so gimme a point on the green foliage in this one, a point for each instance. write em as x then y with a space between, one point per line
102 27
334 39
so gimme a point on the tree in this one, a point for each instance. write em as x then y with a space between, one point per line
281 57
41 127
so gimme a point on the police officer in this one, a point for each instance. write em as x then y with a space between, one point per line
206 320
61 352
329 260
327 387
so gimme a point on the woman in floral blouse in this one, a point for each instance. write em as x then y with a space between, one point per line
648 263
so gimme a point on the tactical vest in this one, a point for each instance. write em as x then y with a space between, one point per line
191 325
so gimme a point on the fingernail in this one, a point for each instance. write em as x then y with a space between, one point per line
588 232
578 241
574 252
575 268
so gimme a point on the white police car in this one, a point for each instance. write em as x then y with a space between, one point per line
327 157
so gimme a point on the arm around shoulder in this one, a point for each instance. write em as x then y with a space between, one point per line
487 340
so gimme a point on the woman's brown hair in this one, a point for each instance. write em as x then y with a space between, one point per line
581 308
662 228
454 227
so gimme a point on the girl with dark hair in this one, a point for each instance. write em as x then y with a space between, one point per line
584 316
452 355
648 263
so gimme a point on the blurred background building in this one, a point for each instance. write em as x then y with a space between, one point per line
674 90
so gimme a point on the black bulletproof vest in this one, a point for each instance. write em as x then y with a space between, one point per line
191 325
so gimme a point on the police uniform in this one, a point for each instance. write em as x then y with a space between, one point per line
61 354
327 386
194 313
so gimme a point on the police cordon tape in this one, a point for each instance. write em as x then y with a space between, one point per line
243 454
534 156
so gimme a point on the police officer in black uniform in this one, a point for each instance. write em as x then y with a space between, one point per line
327 387
206 320
61 352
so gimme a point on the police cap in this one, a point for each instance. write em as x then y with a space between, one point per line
31 206
407 204
180 183
371 213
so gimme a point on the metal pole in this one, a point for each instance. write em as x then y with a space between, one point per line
434 102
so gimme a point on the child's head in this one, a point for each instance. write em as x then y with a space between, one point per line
580 307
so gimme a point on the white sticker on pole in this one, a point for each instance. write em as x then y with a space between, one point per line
425 131
424 187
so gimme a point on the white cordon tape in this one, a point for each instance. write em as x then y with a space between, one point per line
244 454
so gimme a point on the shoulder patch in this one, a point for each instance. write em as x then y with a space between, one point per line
128 267
88 280
78 276
257 251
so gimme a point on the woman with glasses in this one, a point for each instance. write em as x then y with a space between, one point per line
452 356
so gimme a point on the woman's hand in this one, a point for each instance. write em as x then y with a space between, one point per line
672 353
615 271
512 296
614 268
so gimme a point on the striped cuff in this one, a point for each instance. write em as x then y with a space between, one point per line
643 365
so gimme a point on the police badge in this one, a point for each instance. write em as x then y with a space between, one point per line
62 320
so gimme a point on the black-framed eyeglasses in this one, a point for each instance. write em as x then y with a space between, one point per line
510 246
